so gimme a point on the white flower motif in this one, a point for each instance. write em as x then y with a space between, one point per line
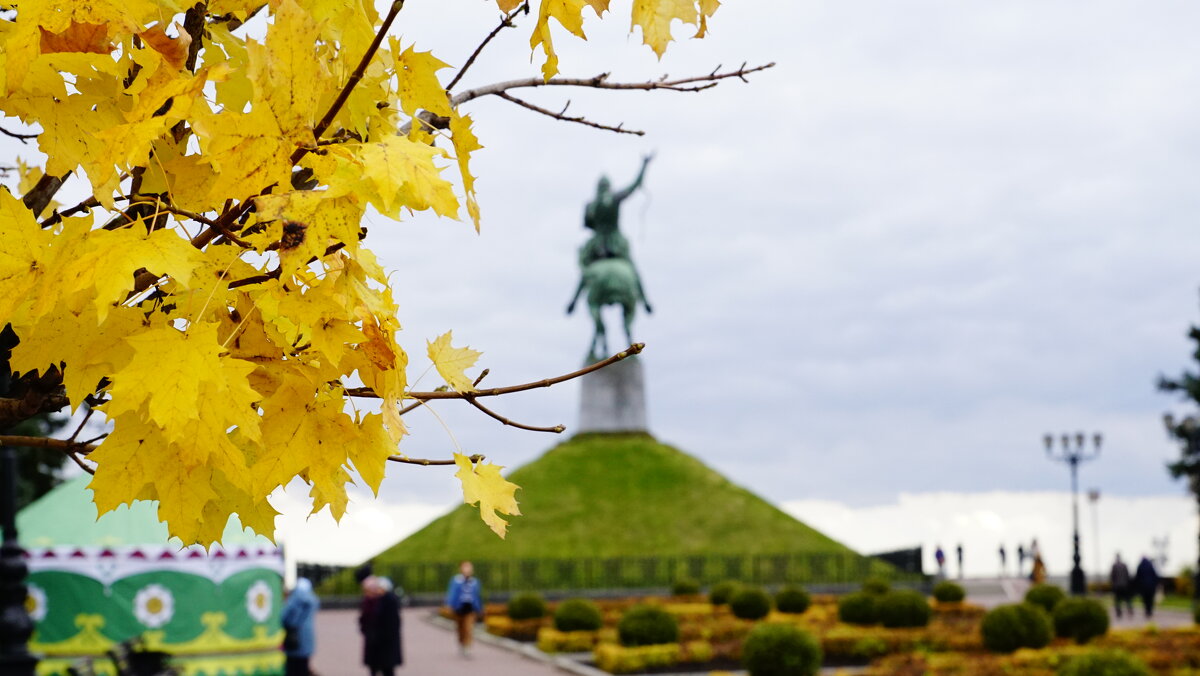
35 602
258 601
154 605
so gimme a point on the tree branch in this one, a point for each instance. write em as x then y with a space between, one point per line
38 198
351 83
426 463
636 348
505 22
43 442
687 84
620 129
557 429
23 138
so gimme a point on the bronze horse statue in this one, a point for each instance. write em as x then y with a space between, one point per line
607 270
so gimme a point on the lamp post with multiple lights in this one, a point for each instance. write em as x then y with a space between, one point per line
1073 451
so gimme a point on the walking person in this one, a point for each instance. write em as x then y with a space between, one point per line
1122 587
465 600
1003 562
379 622
299 638
940 557
1145 582
1020 560
959 553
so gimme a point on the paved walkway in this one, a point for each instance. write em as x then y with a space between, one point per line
990 593
428 650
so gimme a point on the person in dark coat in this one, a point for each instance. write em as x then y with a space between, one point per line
299 615
1145 582
379 622
1122 587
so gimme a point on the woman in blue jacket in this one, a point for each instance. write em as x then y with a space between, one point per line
299 615
466 602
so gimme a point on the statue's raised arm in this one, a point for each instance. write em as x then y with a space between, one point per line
637 182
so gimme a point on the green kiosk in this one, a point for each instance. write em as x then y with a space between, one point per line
94 583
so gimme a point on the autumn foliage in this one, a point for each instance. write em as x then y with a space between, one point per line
214 298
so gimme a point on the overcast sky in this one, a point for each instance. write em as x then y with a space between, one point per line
935 231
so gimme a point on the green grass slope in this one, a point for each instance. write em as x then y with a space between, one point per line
607 495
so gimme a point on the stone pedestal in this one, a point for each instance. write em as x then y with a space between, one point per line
614 399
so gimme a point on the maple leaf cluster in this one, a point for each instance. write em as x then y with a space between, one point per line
213 299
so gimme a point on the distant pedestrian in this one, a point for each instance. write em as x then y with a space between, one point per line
959 553
1122 587
465 600
1003 562
299 639
379 622
1020 560
1145 582
940 557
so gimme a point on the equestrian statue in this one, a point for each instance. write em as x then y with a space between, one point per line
607 270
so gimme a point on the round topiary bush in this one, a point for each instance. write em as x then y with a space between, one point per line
781 650
857 608
792 600
750 603
685 588
526 607
876 585
647 625
578 615
721 592
1080 619
1045 595
1103 663
948 592
903 608
1018 625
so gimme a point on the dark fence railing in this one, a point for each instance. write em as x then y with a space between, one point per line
629 572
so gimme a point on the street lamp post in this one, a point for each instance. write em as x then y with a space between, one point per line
1188 431
1073 454
1094 499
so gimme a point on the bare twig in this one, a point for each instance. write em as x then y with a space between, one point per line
482 374
557 429
68 445
505 22
23 138
86 416
426 463
687 84
620 128
636 348
79 461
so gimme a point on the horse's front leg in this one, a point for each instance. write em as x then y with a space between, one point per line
599 338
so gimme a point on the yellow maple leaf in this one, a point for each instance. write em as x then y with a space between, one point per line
21 266
465 143
569 15
395 174
285 75
419 87
655 17
203 383
452 362
483 484
312 221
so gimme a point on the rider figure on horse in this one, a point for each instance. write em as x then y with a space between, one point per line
607 269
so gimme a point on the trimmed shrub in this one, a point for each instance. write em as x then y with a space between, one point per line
526 607
876 585
1103 663
647 625
1045 595
578 615
1018 625
948 592
1080 619
857 608
685 588
721 592
781 650
903 608
750 603
792 600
